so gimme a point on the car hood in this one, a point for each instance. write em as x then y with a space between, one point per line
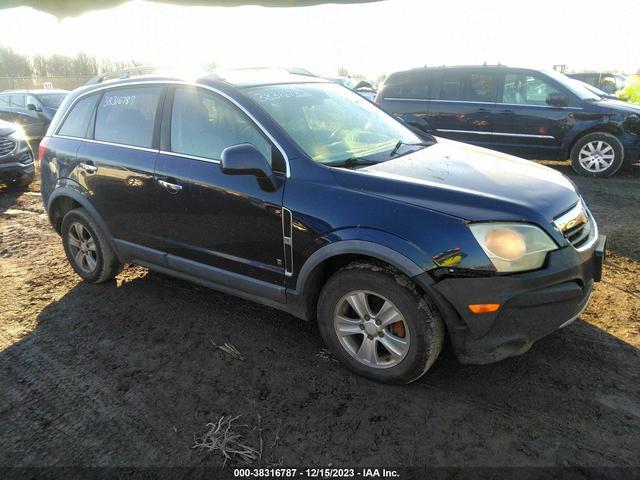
620 106
471 183
6 128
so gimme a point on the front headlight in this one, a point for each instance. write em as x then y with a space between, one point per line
513 247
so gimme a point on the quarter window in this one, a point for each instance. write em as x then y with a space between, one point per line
520 88
127 116
4 100
77 121
203 125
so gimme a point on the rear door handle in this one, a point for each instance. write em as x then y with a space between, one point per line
88 167
506 112
170 187
483 110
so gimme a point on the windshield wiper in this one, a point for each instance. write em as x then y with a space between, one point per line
400 143
353 162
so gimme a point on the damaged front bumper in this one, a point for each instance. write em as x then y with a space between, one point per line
533 304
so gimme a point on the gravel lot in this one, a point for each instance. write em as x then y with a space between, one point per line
125 373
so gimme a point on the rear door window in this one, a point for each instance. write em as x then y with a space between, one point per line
77 121
127 116
4 100
469 86
17 101
482 87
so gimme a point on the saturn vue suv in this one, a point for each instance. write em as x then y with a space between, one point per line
299 194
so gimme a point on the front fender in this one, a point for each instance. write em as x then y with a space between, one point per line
386 247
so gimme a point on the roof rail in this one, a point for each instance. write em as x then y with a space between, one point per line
122 74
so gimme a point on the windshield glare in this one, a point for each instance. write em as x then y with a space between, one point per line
330 123
582 92
52 100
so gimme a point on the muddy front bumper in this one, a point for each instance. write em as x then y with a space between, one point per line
533 304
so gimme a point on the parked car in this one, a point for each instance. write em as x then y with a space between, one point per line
16 157
601 93
361 87
607 82
31 109
531 113
299 194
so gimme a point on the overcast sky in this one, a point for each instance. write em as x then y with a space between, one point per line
371 39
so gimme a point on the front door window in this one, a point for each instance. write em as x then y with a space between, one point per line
524 89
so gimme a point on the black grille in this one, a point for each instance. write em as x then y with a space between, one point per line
25 158
6 146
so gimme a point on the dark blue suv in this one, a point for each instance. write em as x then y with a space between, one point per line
535 114
301 195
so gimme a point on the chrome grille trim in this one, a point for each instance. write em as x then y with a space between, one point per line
578 227
6 146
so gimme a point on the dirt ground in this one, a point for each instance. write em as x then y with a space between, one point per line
126 374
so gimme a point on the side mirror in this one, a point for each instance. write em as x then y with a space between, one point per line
557 100
245 159
31 106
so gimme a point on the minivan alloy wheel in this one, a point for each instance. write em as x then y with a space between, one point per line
596 156
371 329
83 247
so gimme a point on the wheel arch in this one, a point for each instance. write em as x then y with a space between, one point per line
327 260
610 128
64 199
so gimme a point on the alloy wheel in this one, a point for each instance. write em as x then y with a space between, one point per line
371 329
596 156
82 247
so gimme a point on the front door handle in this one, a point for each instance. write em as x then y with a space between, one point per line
484 110
170 187
506 112
88 167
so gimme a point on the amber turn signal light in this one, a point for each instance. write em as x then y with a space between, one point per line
484 307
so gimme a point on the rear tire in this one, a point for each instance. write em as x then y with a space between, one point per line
87 247
597 155
393 334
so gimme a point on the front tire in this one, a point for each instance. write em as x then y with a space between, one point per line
597 155
87 248
378 324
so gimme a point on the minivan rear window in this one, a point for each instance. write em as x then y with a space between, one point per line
77 121
127 116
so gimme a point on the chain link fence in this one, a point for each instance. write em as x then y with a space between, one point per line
66 82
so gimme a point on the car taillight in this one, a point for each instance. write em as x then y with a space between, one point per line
42 147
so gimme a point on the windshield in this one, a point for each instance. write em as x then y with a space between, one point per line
591 88
52 100
582 92
332 124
